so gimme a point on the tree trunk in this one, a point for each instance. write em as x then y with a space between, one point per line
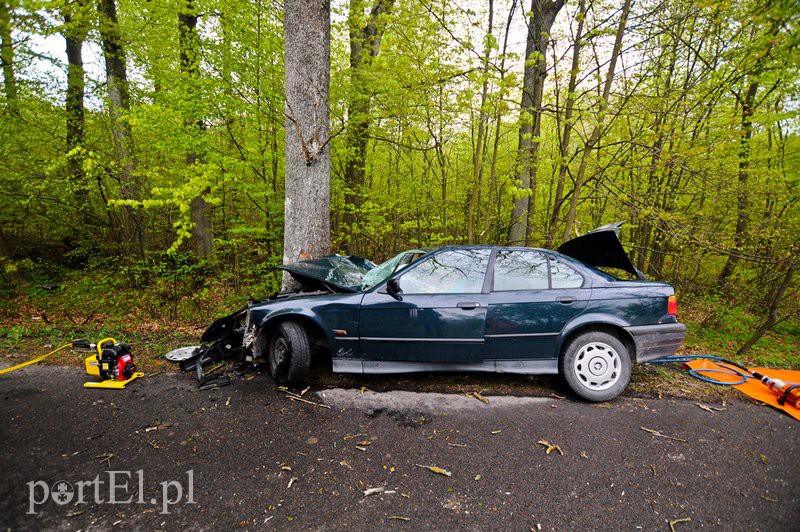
75 30
742 191
477 154
119 105
307 89
543 14
203 229
498 123
7 55
772 316
563 166
580 178
365 45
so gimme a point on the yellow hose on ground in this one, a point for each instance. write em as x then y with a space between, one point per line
34 360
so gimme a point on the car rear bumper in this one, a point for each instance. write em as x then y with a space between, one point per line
656 341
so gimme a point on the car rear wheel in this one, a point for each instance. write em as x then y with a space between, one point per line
596 366
289 353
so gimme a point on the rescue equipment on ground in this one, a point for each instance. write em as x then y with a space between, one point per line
775 387
113 363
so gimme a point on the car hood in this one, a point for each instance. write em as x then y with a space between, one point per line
601 248
342 273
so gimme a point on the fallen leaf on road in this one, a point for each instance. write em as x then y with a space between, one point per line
373 491
584 455
764 458
477 477
550 447
437 470
479 397
496 431
291 481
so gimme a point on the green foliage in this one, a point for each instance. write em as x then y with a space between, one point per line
700 172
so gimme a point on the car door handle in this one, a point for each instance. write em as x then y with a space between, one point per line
566 300
468 306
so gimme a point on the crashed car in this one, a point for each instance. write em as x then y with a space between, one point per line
465 308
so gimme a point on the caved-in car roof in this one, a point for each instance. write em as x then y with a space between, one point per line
600 248
339 272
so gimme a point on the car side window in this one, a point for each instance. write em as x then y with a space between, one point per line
520 270
563 276
451 272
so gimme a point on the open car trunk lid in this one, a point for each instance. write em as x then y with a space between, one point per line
601 248
341 273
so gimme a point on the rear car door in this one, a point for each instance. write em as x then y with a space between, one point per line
438 316
534 295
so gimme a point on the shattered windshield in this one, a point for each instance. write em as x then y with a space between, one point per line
384 270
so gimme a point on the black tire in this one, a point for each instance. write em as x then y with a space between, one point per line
596 366
289 353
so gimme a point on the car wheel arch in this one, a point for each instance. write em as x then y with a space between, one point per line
316 335
611 328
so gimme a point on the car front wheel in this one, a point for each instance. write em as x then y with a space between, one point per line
596 366
289 353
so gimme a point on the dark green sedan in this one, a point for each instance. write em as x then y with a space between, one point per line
466 308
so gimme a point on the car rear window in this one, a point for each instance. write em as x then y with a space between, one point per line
563 276
520 270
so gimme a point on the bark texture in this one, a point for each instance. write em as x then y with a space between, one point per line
203 229
307 62
119 106
7 54
74 32
543 14
365 45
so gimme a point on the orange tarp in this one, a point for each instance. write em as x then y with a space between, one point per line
753 387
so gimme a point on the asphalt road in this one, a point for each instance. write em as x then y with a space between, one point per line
736 468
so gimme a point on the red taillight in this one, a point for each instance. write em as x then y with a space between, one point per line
672 306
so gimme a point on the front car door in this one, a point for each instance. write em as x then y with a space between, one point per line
533 296
438 315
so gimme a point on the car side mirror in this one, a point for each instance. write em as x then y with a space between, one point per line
393 288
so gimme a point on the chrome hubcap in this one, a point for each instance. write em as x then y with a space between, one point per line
597 365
